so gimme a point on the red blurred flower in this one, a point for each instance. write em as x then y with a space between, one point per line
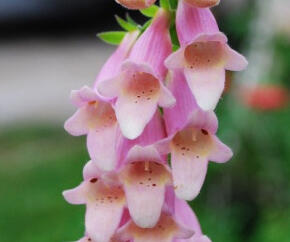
266 97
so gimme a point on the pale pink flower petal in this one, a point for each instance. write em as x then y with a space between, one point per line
81 97
91 171
166 230
166 99
220 152
102 220
203 120
102 147
144 178
78 123
188 174
206 85
235 61
76 195
176 60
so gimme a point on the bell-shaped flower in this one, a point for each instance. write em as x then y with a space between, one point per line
105 200
145 177
96 119
138 89
167 229
136 4
191 141
202 3
95 116
186 216
204 54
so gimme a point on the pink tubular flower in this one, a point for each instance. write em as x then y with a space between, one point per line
204 54
145 178
203 3
192 141
105 200
95 117
136 4
138 88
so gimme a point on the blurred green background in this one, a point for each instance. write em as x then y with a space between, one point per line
246 199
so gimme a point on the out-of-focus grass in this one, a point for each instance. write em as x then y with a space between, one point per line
246 199
36 165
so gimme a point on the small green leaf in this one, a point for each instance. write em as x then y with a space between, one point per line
164 4
150 12
130 20
125 25
112 37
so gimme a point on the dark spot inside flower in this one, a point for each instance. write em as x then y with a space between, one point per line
154 185
197 156
204 132
92 102
94 180
149 179
141 183
138 96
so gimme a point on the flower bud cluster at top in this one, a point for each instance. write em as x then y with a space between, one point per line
153 97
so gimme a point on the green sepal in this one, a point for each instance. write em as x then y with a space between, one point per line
164 4
125 25
130 20
175 47
112 37
173 36
150 12
173 4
